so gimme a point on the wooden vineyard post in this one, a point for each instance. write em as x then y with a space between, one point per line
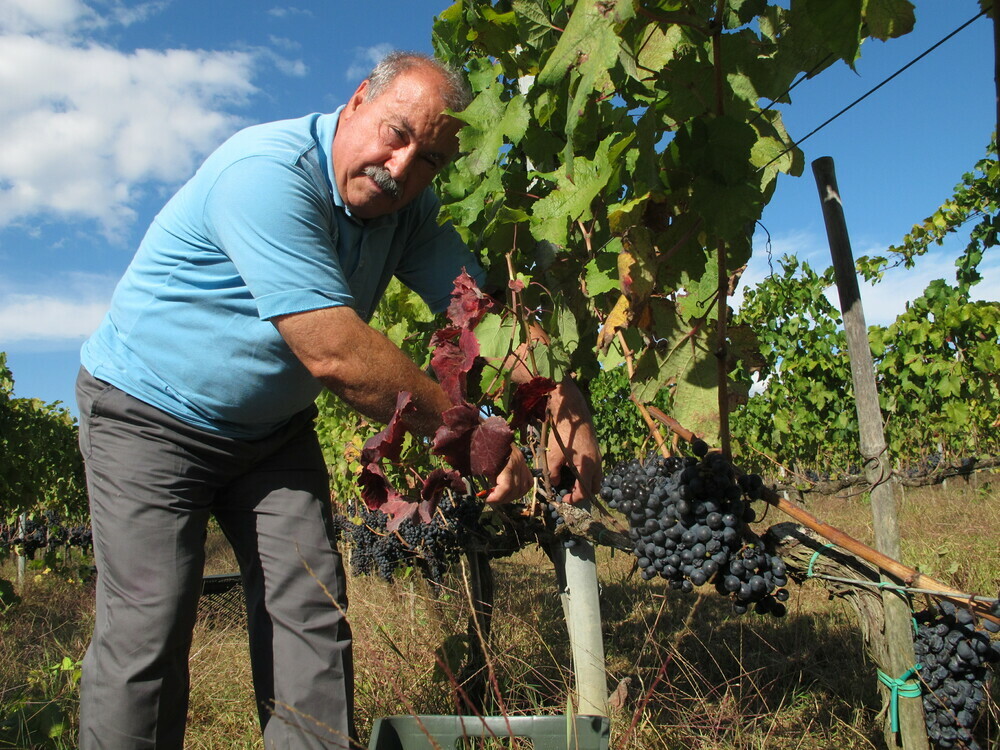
476 673
912 732
22 559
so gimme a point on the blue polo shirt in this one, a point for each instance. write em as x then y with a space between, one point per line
259 231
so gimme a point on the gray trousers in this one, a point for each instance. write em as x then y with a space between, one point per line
153 483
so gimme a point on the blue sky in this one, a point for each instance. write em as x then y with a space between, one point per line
107 106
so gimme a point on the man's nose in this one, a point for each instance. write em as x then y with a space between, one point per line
399 163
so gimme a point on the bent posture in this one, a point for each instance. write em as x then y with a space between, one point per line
250 292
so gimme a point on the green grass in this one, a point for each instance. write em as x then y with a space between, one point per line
691 674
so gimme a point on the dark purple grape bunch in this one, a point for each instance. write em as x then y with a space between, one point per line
430 548
554 519
688 522
955 657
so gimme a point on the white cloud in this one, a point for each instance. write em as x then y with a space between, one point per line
282 42
290 67
366 58
86 126
82 126
60 313
36 16
34 317
126 13
882 302
285 12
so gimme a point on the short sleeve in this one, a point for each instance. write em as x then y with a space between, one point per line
273 222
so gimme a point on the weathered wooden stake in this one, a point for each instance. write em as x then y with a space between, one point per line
912 733
22 560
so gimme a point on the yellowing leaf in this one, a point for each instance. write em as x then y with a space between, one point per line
617 319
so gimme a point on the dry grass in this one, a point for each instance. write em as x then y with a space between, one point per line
692 675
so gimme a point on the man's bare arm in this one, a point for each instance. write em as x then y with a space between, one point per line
361 366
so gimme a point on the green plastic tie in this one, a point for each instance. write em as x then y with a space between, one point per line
815 557
900 688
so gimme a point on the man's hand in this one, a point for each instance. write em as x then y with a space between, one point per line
514 481
573 441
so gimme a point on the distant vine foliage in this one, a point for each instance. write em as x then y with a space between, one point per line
45 533
620 430
937 364
41 470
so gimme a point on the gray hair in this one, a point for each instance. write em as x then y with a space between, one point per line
456 92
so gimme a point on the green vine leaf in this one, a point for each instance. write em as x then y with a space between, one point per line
492 122
886 19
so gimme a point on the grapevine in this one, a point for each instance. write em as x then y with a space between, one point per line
46 532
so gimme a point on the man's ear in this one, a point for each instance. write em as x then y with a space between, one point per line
356 98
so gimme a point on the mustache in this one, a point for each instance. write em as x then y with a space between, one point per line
384 180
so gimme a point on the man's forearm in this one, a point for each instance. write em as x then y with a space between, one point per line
370 383
363 367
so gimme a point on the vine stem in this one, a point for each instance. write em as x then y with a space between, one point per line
721 349
515 305
722 354
908 575
643 411
717 56
586 237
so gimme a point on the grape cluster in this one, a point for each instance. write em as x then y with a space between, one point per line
555 519
431 547
688 520
41 533
954 658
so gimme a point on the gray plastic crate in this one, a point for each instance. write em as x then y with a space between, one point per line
444 732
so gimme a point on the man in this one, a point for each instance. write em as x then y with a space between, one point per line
249 293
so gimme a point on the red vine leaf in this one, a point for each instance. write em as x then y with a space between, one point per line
399 509
375 488
473 445
490 448
453 439
455 352
389 442
530 401
468 303
440 480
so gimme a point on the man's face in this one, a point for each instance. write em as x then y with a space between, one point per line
387 150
